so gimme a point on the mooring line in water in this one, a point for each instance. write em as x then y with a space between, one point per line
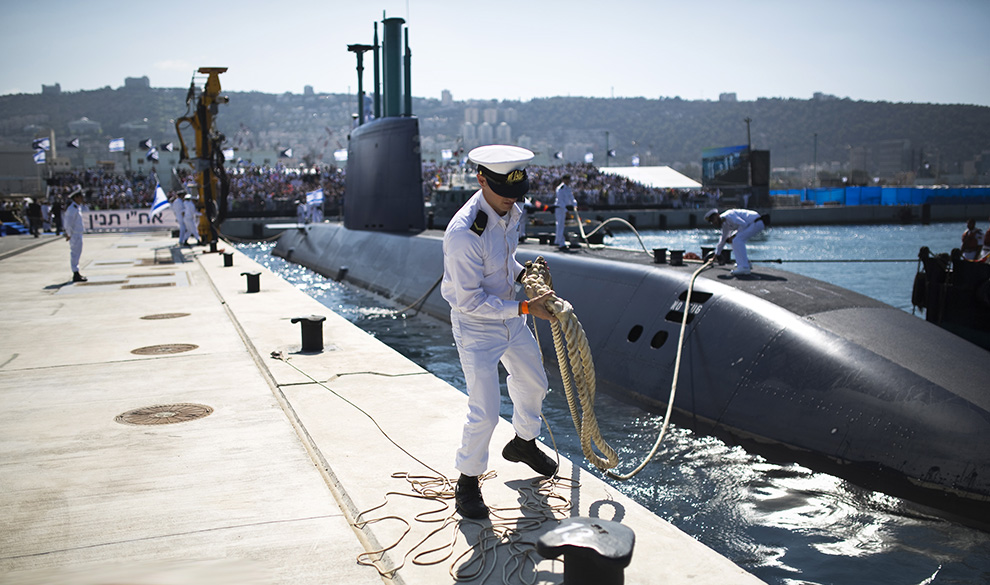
833 261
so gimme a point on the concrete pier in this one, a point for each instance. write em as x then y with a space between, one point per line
163 425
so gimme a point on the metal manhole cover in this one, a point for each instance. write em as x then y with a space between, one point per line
165 316
164 349
164 414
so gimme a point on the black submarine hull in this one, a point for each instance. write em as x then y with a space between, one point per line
792 367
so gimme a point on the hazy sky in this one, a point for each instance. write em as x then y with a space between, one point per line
936 51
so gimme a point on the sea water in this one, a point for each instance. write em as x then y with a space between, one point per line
784 523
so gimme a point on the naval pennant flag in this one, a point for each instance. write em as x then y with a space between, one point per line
161 201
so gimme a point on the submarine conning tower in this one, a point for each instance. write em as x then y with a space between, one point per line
383 189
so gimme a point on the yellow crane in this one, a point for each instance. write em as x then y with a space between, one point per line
212 184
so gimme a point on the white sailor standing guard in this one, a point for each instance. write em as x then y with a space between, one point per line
191 217
738 226
74 228
489 325
563 202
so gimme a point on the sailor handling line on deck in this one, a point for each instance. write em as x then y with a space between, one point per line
738 226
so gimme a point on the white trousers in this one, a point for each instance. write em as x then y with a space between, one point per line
482 344
739 242
560 214
75 251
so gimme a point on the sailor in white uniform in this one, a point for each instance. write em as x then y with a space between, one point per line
489 325
564 202
192 219
74 228
738 226
179 208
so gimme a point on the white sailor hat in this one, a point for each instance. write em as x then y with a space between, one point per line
504 167
710 213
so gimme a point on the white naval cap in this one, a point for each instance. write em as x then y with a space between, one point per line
504 167
501 158
710 213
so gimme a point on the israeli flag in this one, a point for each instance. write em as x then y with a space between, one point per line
340 155
41 144
228 154
39 157
152 154
161 201
447 154
117 145
315 197
635 160
589 157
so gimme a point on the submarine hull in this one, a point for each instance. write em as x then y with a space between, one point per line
792 367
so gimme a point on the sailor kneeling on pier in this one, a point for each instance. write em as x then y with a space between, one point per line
489 325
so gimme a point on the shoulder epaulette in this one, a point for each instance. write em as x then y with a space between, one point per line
480 223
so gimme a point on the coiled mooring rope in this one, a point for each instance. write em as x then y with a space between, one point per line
577 369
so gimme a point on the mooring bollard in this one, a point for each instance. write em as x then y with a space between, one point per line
705 251
253 281
726 256
228 259
659 255
677 257
596 552
312 332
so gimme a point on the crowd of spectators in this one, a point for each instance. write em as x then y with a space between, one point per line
592 188
275 191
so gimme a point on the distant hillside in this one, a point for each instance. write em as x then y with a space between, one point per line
659 131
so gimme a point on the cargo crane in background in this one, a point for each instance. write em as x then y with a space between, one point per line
212 184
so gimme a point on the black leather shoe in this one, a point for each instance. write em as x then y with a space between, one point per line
468 500
76 277
527 452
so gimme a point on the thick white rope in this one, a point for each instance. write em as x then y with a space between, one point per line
577 369
673 383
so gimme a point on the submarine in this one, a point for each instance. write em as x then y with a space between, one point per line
787 366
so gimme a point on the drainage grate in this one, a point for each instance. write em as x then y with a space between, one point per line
164 349
149 285
101 283
165 316
164 414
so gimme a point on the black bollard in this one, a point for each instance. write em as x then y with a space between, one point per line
659 255
677 257
312 332
228 259
213 247
253 281
596 552
726 256
705 251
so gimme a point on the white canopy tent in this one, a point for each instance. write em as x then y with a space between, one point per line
656 177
